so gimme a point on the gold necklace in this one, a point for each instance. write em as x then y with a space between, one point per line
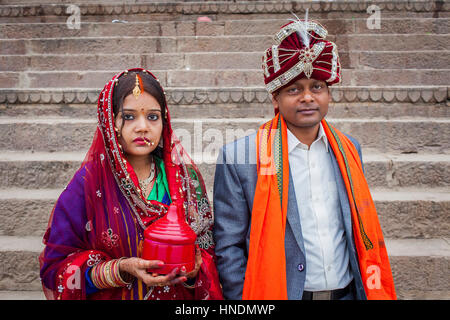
143 184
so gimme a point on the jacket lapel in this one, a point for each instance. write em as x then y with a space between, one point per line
293 216
346 215
343 199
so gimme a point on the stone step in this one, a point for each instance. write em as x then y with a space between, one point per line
217 28
371 97
243 109
227 10
19 263
26 212
361 60
219 78
22 295
389 171
413 213
234 43
52 134
419 266
125 19
403 213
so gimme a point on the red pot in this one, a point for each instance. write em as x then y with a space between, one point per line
171 240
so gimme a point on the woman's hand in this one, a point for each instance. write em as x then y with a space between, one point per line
198 263
138 268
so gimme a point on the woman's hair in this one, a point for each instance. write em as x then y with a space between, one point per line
126 84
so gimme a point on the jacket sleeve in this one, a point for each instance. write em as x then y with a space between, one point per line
231 227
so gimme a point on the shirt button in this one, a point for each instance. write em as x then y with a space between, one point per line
300 267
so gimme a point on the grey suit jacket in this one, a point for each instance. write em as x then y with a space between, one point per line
234 189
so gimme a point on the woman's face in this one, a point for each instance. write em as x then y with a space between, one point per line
142 124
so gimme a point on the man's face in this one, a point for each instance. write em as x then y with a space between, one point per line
304 103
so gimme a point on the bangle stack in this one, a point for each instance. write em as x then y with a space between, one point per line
107 275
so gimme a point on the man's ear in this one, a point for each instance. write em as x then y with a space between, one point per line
275 101
329 94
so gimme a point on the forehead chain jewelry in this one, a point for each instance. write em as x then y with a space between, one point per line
137 88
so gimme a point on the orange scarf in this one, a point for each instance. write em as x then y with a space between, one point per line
265 277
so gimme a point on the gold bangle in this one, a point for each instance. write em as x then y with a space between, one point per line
107 275
188 286
98 276
119 276
94 276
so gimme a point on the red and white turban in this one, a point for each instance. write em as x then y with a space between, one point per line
300 50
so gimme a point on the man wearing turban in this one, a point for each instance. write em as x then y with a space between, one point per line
294 218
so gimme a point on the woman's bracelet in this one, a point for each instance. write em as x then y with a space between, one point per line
187 284
107 275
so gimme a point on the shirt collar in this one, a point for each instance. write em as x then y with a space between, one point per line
293 142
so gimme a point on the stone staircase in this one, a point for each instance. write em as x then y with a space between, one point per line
393 99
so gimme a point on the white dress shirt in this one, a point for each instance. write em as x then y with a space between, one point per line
327 259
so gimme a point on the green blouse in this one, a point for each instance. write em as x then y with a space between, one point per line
160 191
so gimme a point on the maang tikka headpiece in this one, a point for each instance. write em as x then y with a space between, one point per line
138 88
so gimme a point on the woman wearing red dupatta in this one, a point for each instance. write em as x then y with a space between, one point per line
96 230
